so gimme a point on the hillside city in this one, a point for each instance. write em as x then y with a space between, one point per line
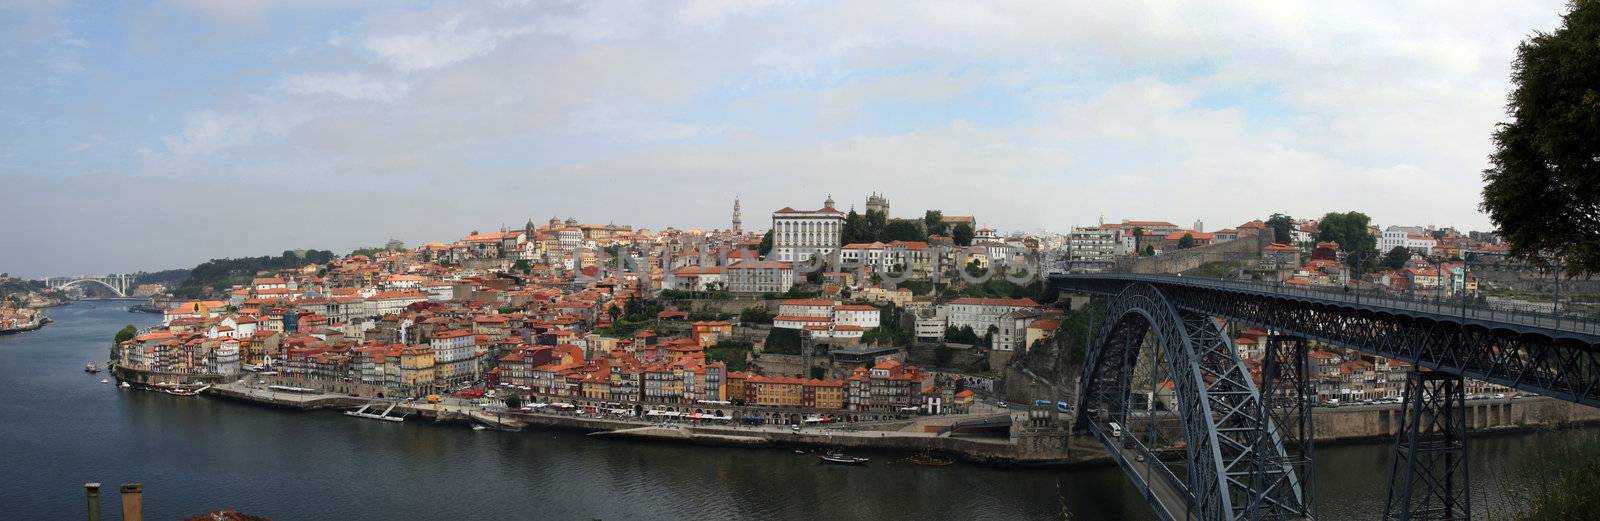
862 315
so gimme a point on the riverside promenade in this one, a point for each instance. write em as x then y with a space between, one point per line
1039 448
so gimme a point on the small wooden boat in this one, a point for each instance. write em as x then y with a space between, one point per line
931 461
839 458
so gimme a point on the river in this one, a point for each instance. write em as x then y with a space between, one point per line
61 428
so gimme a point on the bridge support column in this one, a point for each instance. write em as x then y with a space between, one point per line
1286 399
1428 479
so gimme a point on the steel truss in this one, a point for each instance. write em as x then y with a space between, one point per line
1287 399
1551 362
1428 479
1235 459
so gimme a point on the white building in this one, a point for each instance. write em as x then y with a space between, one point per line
980 313
820 315
799 235
1413 238
749 276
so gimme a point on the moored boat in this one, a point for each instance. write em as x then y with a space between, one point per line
89 367
839 458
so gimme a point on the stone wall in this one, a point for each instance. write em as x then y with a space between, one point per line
1245 249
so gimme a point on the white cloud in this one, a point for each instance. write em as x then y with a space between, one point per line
439 46
1033 114
349 85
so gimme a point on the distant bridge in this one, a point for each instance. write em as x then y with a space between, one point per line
122 285
1248 446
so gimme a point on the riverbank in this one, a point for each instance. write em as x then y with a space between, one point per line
1022 447
985 450
36 324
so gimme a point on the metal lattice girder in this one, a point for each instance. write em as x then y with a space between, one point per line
1224 425
1287 399
1428 479
1525 353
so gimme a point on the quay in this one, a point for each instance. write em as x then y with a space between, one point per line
1022 446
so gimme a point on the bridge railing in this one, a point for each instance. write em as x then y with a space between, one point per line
1543 316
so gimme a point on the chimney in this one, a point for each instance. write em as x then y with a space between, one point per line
92 490
132 502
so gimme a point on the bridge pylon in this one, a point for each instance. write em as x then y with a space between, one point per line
1286 398
1428 479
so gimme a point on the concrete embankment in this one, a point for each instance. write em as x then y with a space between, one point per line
1023 447
289 400
685 435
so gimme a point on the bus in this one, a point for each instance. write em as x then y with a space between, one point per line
1116 430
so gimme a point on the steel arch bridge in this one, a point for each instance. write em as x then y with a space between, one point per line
1245 460
119 284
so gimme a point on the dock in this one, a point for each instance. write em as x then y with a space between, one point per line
362 412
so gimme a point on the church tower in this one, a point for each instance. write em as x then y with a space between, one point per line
738 226
878 203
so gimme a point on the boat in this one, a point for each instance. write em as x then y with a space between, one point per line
798 451
478 427
839 458
89 367
184 390
105 381
930 461
125 385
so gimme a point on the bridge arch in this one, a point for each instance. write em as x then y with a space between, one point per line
1233 455
113 289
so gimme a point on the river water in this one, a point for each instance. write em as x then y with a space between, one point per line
61 427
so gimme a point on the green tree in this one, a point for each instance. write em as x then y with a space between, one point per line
1149 251
615 313
127 333
733 353
873 226
1186 242
933 221
755 315
962 234
766 244
903 230
1349 229
521 266
1282 227
1542 188
854 229
1396 258
1138 237
783 341
513 402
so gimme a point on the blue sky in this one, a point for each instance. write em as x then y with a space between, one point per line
162 134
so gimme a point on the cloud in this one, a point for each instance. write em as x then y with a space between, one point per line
1028 114
349 86
439 46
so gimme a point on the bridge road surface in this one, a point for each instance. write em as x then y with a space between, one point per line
1170 497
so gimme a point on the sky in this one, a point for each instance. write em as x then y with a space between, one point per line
153 135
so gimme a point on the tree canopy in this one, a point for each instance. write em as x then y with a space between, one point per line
766 244
1186 242
127 333
933 222
1349 229
961 234
1396 258
1542 188
1282 227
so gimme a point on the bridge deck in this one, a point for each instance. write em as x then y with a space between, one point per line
1158 486
1554 325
